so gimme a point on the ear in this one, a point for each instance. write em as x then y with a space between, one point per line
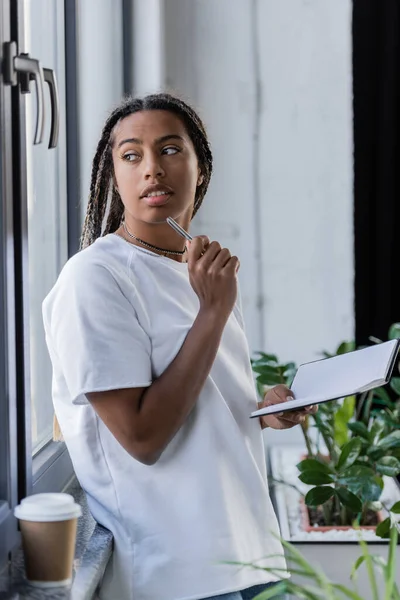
200 179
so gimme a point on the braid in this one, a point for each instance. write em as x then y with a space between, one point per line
116 213
102 169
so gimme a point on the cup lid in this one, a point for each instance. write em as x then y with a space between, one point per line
48 507
51 497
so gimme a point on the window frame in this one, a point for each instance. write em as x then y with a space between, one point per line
51 466
8 367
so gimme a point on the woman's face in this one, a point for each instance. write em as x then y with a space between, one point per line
156 169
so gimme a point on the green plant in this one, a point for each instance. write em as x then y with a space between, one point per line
319 587
356 443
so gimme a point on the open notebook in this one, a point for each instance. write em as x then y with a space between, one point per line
339 376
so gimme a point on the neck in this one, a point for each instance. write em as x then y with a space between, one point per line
159 235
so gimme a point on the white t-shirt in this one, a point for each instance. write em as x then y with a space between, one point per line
116 318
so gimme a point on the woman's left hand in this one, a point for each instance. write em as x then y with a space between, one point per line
283 420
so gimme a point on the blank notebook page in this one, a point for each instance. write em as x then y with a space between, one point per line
344 374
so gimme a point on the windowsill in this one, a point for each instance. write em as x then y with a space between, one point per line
52 468
93 551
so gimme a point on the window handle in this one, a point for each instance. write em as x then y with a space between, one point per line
21 68
50 78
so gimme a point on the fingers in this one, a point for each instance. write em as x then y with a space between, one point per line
285 420
196 248
211 255
275 422
278 394
222 258
233 265
294 418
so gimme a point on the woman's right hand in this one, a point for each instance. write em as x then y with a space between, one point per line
213 275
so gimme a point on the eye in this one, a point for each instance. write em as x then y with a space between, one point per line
170 150
130 157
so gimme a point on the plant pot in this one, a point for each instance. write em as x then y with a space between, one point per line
307 526
305 515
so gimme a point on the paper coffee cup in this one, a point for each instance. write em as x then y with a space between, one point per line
48 525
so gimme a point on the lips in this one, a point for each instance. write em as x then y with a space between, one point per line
159 200
154 188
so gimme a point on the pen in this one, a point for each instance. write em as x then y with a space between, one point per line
179 229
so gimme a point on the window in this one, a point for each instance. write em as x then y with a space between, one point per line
46 205
41 211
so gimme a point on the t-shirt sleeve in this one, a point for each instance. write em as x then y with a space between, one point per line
96 336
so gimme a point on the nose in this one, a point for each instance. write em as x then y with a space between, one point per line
153 168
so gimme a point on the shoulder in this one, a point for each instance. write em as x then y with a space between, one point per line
92 273
109 258
98 261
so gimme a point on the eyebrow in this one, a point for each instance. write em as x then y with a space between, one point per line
160 140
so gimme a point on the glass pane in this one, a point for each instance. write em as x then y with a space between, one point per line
47 203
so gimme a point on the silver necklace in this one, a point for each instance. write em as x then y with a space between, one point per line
164 251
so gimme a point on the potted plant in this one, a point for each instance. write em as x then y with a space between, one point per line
346 470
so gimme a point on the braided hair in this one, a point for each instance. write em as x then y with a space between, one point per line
102 189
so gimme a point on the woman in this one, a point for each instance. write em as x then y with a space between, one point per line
152 380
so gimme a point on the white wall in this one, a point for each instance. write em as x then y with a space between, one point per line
272 80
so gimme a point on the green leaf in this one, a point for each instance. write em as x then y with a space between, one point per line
382 394
378 560
390 421
312 464
341 419
265 369
395 385
277 590
346 592
349 499
394 331
266 357
346 347
319 495
396 508
377 429
375 506
315 478
289 372
391 564
349 454
390 441
359 429
383 529
388 465
269 379
357 565
376 453
362 482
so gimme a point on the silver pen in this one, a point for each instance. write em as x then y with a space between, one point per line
179 229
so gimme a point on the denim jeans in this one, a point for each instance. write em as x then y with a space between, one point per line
247 594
